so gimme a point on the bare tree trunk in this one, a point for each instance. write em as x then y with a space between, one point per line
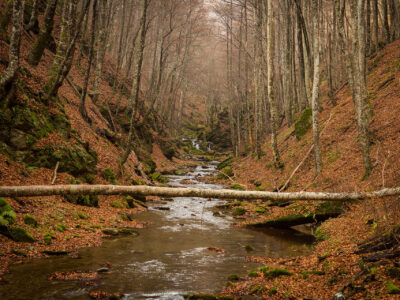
9 75
303 96
34 16
270 80
101 48
44 36
136 84
315 90
85 189
375 22
67 60
386 28
368 28
82 107
66 35
258 89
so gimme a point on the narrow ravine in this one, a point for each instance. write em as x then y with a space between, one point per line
167 260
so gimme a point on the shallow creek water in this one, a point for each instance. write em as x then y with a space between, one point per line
167 259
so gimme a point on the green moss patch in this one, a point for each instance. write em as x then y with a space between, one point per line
30 220
7 214
109 175
236 186
20 234
84 200
274 273
253 273
225 163
116 204
239 211
303 124
157 176
392 289
260 209
233 277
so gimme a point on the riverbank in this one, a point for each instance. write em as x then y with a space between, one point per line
337 264
57 225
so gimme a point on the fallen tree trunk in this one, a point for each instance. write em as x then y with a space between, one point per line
49 190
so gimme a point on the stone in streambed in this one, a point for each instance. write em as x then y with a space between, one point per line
110 231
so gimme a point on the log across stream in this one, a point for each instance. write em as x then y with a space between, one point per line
167 259
85 189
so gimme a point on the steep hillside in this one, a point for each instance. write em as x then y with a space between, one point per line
337 262
40 137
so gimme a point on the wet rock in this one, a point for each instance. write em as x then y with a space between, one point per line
162 208
55 253
102 270
128 231
110 231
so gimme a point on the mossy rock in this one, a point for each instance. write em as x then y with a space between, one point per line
156 176
226 173
168 150
236 186
116 204
278 272
297 219
30 220
20 234
239 211
84 200
74 160
110 231
128 231
7 214
233 277
261 209
225 163
253 273
330 207
130 201
303 124
109 175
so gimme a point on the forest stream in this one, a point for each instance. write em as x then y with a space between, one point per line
167 260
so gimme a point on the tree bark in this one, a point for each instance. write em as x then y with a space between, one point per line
67 60
34 17
82 107
136 85
84 189
9 75
315 90
270 80
44 36
101 48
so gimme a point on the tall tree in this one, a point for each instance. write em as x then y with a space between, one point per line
315 89
270 81
136 84
82 105
44 36
8 77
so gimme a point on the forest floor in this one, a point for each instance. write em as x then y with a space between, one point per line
335 266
